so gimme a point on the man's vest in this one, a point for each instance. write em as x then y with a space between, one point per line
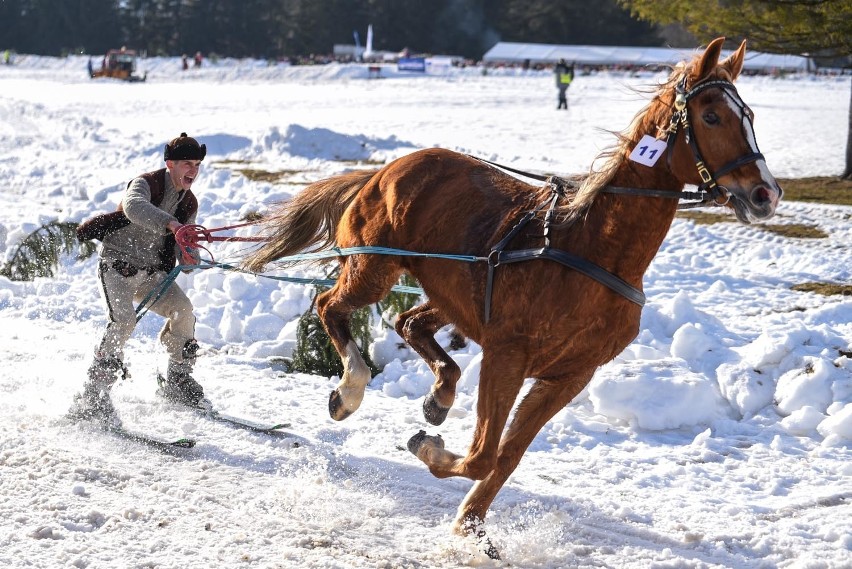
102 225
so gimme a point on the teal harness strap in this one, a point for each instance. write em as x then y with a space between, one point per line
158 291
377 250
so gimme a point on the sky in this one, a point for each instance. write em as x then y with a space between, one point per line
721 437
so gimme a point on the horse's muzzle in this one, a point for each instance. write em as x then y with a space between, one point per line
757 204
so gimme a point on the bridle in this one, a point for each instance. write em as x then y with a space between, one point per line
680 119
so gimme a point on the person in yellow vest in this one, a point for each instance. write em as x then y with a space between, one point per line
564 75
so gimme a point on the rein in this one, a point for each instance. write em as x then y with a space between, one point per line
188 236
702 198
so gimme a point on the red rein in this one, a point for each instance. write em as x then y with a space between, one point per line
188 237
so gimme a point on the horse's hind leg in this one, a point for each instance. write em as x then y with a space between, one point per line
543 401
500 380
364 279
417 327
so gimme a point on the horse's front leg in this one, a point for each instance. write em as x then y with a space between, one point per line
417 327
544 400
500 380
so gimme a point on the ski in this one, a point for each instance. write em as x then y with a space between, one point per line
148 440
205 410
241 423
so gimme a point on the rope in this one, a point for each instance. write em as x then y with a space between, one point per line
188 236
377 250
158 291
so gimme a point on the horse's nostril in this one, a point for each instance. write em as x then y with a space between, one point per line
761 195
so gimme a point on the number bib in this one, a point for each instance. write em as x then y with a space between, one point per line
648 151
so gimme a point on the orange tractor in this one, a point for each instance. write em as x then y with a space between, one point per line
119 64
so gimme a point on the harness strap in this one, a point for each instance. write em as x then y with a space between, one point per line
498 256
709 184
730 166
579 264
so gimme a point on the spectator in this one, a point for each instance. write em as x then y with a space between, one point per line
564 75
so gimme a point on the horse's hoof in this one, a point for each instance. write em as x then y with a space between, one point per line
489 549
336 408
472 527
415 442
432 412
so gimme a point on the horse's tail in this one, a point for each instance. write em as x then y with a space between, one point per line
309 220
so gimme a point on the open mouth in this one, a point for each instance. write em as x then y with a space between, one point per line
743 214
187 180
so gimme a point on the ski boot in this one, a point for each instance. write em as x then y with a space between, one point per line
94 402
179 386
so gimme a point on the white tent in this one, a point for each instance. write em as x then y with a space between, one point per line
537 53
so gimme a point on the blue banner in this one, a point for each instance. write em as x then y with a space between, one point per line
411 64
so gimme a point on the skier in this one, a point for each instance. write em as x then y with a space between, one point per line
134 259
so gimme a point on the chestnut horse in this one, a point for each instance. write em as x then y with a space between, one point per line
548 321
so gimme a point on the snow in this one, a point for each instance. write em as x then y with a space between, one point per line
720 437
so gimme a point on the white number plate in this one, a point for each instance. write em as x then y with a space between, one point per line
648 151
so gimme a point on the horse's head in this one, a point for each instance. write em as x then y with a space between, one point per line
711 138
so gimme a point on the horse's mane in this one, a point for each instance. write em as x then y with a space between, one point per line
653 116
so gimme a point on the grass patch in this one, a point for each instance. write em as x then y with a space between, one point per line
272 177
796 230
824 189
363 162
705 217
256 175
231 162
825 289
793 230
830 190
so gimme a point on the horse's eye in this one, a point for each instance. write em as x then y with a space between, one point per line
711 118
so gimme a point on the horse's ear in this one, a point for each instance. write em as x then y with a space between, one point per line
734 62
709 59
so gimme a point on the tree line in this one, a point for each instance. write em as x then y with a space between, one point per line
283 28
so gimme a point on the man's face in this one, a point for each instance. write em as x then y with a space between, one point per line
183 172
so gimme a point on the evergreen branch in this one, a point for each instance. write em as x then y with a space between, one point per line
39 253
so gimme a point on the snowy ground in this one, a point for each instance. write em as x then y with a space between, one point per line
720 438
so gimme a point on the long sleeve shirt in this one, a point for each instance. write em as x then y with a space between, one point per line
140 242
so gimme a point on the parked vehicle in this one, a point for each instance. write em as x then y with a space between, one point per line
119 64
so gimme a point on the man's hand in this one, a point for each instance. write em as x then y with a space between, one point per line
173 226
